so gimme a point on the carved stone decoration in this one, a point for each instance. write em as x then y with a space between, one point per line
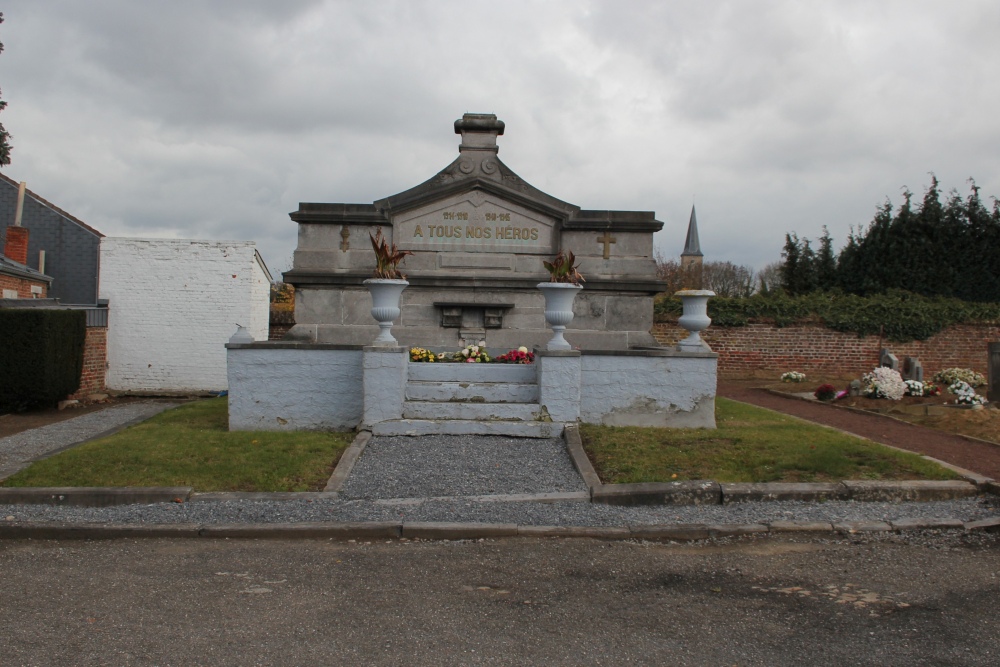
466 166
493 318
489 166
607 240
345 233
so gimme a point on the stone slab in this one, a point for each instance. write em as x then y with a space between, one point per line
992 487
434 530
875 491
52 530
735 529
676 532
473 392
532 429
472 411
927 524
319 529
800 527
861 526
746 492
105 496
702 492
597 532
991 525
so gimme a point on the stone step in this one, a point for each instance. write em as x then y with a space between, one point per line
444 372
486 411
472 392
468 427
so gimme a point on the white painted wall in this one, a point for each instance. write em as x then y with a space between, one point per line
173 306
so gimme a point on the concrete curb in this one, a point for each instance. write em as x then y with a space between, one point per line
97 496
345 531
347 460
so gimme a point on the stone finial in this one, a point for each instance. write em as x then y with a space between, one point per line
479 132
241 335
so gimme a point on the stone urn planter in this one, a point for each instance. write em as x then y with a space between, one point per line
695 317
559 299
385 306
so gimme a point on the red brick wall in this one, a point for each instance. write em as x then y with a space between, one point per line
812 348
23 286
95 357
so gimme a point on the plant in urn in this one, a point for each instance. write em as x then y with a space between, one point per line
386 286
560 292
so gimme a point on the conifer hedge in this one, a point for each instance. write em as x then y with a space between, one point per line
899 315
41 356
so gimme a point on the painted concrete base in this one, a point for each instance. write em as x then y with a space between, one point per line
297 386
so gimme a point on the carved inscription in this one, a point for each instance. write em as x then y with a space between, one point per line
464 226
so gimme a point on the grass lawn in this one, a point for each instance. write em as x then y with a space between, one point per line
750 445
191 446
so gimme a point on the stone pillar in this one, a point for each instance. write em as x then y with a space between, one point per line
559 383
384 383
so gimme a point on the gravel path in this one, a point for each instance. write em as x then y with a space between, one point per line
20 449
408 467
521 513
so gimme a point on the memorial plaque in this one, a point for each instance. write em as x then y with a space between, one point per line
474 224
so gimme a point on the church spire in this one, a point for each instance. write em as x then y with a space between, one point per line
692 248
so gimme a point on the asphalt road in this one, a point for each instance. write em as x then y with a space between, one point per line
918 599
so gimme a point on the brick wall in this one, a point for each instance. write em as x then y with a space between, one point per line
812 348
23 287
95 357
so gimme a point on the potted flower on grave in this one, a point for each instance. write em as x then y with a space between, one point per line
560 292
386 286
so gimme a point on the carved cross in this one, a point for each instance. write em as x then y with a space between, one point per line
607 240
345 233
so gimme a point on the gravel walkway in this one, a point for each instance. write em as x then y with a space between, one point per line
408 467
521 513
20 449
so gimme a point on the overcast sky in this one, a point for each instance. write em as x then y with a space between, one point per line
213 119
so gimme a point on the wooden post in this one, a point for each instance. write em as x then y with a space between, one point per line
993 372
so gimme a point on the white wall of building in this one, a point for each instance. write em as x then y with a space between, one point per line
173 306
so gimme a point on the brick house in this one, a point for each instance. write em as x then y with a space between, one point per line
58 245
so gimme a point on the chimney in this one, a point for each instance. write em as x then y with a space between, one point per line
16 247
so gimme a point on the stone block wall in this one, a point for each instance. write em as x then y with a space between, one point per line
762 347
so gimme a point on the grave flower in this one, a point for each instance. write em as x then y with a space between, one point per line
518 356
825 392
420 354
793 376
914 388
950 376
883 382
965 394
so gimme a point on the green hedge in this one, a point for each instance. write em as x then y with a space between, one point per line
899 315
41 356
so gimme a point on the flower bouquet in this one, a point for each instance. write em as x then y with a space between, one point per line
518 356
883 382
965 394
472 354
825 392
421 354
793 376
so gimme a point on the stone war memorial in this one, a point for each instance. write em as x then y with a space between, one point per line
478 235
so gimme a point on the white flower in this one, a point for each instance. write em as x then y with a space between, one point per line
522 349
883 382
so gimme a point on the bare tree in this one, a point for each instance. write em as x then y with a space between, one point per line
769 278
